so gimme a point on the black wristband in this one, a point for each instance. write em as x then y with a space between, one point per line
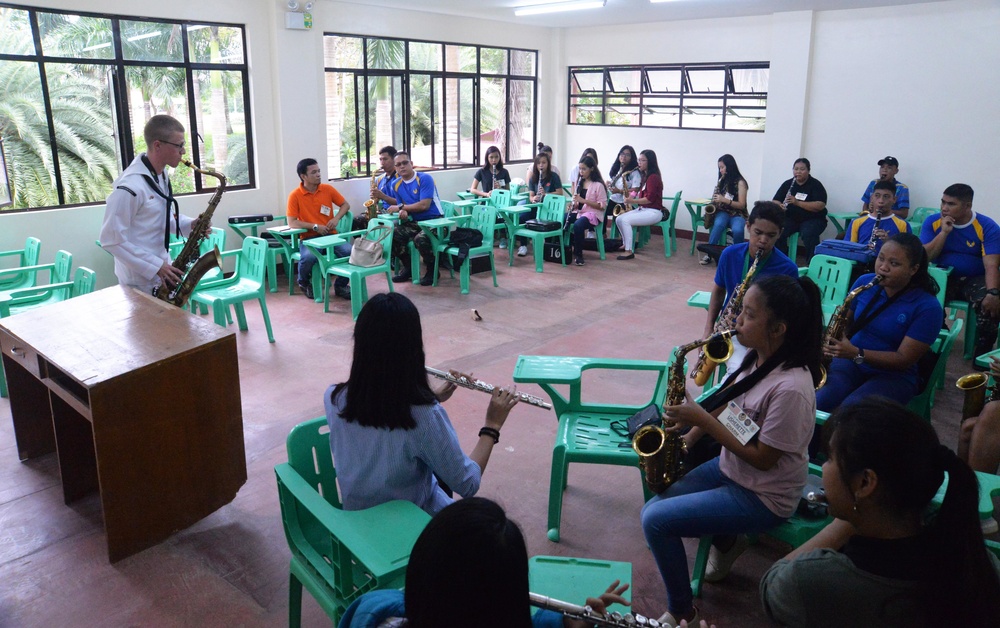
995 292
492 433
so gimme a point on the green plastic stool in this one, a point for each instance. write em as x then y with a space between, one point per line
573 580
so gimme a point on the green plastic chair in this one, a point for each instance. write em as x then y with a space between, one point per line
38 296
483 218
357 274
833 276
337 555
644 234
498 200
553 208
244 284
697 218
573 580
584 433
22 274
918 216
922 403
58 272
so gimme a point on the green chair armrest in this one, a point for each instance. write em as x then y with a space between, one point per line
25 295
12 252
700 299
24 269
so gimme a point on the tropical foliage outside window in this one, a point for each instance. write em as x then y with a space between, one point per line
730 96
446 103
79 88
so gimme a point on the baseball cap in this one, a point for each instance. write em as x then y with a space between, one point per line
891 161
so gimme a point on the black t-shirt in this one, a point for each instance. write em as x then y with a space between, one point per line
485 178
813 190
551 184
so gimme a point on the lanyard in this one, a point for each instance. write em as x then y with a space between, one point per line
763 262
153 182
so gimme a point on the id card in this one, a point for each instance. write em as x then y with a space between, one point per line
326 211
801 196
729 196
738 423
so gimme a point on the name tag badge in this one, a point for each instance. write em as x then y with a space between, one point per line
729 196
801 196
326 211
738 423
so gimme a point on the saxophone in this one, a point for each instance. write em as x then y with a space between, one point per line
660 451
711 208
623 207
727 320
188 261
838 322
371 205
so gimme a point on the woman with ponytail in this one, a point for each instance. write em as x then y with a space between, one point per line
888 559
757 480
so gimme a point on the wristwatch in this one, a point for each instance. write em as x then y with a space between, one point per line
994 291
860 358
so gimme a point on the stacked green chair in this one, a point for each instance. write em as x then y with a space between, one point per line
553 208
337 555
833 276
22 274
585 433
244 284
483 220
30 298
357 274
58 271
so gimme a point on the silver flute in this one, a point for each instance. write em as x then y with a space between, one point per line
476 384
587 614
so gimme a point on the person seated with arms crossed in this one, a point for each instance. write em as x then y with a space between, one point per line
889 328
589 204
310 207
887 170
382 186
969 243
647 206
804 200
492 176
887 559
766 221
755 483
417 200
468 568
863 230
543 181
730 200
390 437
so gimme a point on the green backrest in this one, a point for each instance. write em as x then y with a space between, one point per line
387 242
500 198
940 275
216 239
919 215
553 208
309 453
675 202
253 259
447 209
484 218
62 267
83 281
346 223
28 256
832 275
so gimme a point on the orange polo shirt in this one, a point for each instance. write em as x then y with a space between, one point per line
310 206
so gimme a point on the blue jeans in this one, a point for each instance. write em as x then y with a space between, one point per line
307 260
722 220
580 228
847 383
703 502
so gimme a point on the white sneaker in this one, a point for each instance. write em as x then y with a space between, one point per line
668 620
522 251
503 243
720 563
705 260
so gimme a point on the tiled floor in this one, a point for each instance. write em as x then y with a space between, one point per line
231 568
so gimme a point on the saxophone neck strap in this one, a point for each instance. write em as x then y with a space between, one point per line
868 315
729 391
152 180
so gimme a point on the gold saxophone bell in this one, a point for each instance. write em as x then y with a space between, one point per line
717 349
822 377
620 209
974 387
648 443
709 209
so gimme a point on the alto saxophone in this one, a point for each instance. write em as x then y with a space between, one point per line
976 393
371 205
711 208
660 452
727 320
838 322
193 267
623 206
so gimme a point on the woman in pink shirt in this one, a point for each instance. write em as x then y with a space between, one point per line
589 202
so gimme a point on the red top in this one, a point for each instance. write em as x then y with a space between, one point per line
652 190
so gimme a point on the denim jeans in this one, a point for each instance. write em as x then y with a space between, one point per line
703 502
580 228
722 220
307 260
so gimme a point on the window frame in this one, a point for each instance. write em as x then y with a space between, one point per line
120 113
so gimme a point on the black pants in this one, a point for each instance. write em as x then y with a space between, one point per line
973 290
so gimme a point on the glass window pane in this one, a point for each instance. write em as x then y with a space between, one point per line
493 60
437 108
625 81
586 110
215 44
385 109
15 32
661 115
25 134
750 80
385 54
460 58
341 120
588 81
77 36
522 62
708 80
621 112
420 118
492 113
520 139
87 160
222 142
459 132
342 52
702 117
424 56
151 41
664 80
154 90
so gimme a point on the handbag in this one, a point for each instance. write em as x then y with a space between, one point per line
366 251
542 225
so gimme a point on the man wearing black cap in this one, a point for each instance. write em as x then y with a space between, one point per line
887 169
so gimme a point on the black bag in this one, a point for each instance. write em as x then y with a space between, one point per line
465 239
610 244
553 252
650 415
542 225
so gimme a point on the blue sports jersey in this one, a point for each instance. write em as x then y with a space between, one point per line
966 245
902 195
860 229
417 190
730 273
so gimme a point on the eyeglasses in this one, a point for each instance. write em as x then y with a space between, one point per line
402 163
180 147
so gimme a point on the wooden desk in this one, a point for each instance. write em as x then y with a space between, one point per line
139 399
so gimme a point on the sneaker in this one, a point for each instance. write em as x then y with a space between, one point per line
720 563
401 276
503 243
989 525
705 260
666 619
307 289
344 292
522 251
578 261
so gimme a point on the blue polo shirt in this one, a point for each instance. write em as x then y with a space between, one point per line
966 245
860 229
417 190
914 314
734 258
902 195
384 185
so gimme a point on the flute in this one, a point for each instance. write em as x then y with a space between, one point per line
587 614
482 386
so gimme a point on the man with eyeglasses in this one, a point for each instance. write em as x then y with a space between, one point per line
414 196
142 213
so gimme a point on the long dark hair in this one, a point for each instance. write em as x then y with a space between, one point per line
797 304
469 567
652 166
631 165
917 255
731 183
486 158
960 586
588 151
536 174
387 371
595 173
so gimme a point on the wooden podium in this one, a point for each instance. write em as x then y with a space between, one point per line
139 399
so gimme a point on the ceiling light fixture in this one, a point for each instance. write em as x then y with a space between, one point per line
292 5
558 7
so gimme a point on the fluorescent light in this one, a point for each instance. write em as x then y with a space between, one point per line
558 7
144 36
96 47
